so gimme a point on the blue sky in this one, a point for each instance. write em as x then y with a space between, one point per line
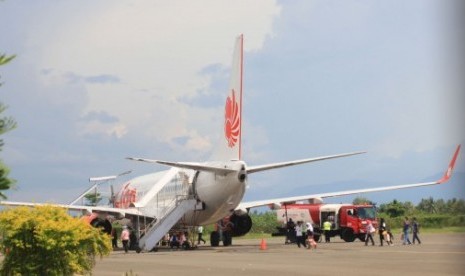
95 82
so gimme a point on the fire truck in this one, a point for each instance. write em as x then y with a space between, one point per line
348 221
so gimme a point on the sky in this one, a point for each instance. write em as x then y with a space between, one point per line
94 82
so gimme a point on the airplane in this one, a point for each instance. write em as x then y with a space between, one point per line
189 194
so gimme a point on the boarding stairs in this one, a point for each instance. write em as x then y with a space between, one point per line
168 200
158 228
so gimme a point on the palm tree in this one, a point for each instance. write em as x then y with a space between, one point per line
427 205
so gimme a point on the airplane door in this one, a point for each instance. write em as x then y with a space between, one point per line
193 189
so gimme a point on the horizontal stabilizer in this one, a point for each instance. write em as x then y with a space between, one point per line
254 169
186 165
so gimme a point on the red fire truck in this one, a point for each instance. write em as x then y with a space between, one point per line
348 221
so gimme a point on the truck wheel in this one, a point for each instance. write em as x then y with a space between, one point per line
215 238
347 234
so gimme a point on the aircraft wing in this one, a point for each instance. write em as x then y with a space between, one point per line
277 202
119 212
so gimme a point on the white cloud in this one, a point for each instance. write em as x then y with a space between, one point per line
95 128
155 49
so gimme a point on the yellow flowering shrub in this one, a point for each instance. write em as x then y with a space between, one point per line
45 240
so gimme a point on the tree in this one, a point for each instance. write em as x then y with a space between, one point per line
408 207
45 240
362 200
393 209
427 205
4 59
441 206
6 124
455 206
93 198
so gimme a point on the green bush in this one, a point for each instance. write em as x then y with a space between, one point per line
45 240
427 220
264 222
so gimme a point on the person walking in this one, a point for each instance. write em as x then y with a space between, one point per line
125 238
382 231
370 229
290 231
199 234
326 229
114 238
415 231
299 238
310 241
389 237
406 228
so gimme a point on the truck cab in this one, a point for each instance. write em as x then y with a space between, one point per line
353 221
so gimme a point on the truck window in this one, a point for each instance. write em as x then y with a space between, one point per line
366 212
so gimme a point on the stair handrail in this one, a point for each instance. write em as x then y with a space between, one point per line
167 210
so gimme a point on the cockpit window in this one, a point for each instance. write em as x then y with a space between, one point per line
366 212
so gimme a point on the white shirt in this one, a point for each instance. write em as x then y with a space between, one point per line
370 228
309 226
298 231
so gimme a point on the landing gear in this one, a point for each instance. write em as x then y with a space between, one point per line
227 238
215 238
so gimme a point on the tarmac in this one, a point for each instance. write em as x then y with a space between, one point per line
439 254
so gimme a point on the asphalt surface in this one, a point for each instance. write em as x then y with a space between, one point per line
439 254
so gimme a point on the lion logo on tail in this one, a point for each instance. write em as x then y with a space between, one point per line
232 120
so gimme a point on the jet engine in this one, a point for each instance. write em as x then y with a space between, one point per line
240 224
95 221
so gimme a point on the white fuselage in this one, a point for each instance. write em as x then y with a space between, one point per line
218 193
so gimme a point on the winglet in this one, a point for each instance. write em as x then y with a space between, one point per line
448 173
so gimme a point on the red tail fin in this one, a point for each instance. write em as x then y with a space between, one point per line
230 146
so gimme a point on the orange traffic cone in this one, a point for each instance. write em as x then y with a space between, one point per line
263 245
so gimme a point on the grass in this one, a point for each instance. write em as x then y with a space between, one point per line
247 236
256 236
442 230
